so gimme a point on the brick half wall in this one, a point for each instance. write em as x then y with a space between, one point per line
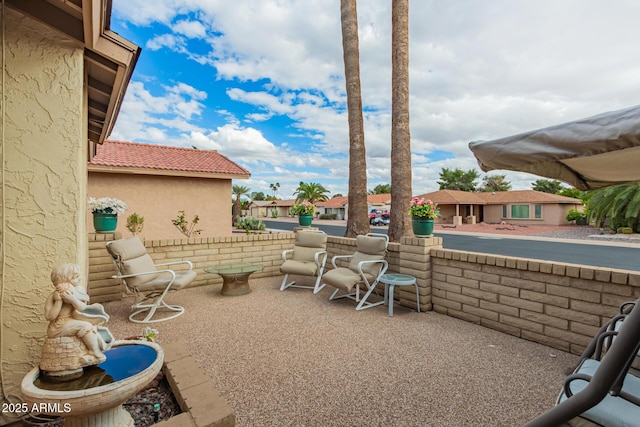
556 304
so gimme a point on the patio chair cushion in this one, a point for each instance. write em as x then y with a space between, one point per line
307 245
368 248
134 259
304 268
612 410
345 278
183 278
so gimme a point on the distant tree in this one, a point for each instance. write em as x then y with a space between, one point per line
457 179
495 183
381 189
547 186
358 220
572 192
259 196
274 188
337 195
618 204
311 192
238 191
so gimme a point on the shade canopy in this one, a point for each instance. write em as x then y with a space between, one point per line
589 153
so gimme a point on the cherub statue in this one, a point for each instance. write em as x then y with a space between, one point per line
70 315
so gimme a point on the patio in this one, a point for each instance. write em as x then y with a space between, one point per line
294 358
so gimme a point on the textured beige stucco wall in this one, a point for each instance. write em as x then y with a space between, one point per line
43 183
159 198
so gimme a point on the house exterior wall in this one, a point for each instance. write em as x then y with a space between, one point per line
552 214
160 198
43 183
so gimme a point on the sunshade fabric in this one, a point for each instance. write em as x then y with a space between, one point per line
589 153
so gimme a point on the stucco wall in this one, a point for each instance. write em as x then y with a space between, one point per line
159 198
43 183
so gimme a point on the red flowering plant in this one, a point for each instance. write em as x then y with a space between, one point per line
425 209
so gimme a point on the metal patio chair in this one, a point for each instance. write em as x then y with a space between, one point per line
365 267
307 258
141 276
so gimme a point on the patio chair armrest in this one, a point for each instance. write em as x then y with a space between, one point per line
626 307
317 256
124 276
335 257
384 263
285 253
189 263
567 381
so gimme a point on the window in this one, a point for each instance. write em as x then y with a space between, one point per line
538 211
520 211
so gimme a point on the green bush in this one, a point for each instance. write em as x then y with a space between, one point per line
328 216
577 216
250 223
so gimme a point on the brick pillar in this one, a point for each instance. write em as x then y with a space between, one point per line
415 259
101 286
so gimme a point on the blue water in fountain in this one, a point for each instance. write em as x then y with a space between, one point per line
122 362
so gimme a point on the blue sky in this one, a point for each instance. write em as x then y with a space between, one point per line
262 81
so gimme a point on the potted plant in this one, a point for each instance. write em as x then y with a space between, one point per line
305 212
105 212
423 213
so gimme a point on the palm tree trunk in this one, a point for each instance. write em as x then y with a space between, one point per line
399 224
358 219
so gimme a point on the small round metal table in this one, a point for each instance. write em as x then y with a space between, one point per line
391 280
235 277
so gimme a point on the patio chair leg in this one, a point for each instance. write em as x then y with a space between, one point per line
317 288
284 284
364 304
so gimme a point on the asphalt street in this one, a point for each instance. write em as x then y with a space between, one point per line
592 254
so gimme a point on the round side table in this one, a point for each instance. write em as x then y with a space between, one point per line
391 280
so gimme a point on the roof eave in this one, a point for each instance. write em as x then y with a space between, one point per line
164 172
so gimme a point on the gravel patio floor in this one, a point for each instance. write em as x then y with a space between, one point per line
296 359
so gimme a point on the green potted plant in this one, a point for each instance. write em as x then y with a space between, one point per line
105 212
305 211
423 214
135 223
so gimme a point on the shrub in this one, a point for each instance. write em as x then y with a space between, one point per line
186 227
328 216
135 223
250 223
580 217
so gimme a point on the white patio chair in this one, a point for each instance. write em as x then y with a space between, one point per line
307 258
141 276
365 267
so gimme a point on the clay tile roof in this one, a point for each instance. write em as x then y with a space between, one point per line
162 157
379 198
336 202
448 197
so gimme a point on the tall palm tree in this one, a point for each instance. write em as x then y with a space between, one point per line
238 190
399 224
358 220
274 188
311 192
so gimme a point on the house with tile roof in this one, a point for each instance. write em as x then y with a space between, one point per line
525 207
157 182
269 208
340 205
